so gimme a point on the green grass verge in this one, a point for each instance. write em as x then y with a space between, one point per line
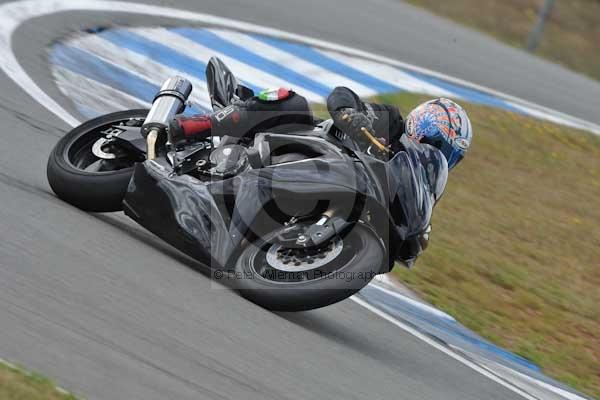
571 37
515 248
16 384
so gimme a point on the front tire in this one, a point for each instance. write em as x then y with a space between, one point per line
339 279
69 171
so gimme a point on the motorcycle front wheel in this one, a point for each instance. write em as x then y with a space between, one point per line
86 181
282 279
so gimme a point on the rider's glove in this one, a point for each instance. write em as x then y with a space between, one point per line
351 122
359 126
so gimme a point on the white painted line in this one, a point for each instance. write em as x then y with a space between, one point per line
289 60
544 385
484 370
96 95
243 71
475 367
537 113
139 65
414 303
9 364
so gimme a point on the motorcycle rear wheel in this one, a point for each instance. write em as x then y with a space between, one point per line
80 178
339 279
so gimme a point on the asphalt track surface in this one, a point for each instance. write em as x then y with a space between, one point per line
111 312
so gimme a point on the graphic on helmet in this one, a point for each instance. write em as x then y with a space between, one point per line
443 124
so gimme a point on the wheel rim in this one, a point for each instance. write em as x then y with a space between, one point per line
266 267
301 260
80 151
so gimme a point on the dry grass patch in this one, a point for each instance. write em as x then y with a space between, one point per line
515 250
16 384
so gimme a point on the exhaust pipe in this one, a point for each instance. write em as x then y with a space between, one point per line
169 102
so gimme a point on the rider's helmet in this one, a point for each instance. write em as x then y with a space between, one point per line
443 124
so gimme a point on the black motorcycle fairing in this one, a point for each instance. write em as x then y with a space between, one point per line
433 162
417 177
178 209
265 199
273 147
209 220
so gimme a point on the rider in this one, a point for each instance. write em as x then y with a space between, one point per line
377 128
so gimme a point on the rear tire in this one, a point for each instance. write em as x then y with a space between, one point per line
89 191
366 261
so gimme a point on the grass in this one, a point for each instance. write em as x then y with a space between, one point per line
571 36
515 248
16 384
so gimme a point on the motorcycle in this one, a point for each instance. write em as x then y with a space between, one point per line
293 221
